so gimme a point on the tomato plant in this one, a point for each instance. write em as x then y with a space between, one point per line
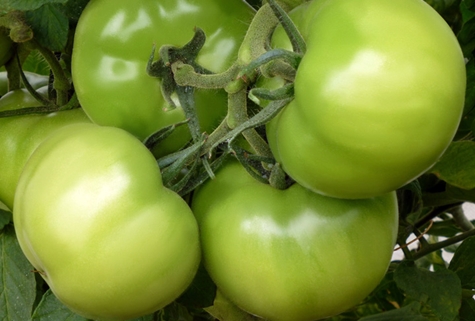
108 238
375 109
103 224
113 45
292 254
22 134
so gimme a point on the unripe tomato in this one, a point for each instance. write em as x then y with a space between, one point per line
112 47
92 216
292 255
378 97
20 135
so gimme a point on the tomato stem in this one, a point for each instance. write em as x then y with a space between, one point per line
61 82
278 177
255 41
298 43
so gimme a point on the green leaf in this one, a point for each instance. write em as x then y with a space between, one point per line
36 63
223 309
440 5
470 4
463 263
24 5
466 35
467 311
50 26
74 8
457 165
440 291
173 312
17 284
470 91
51 309
408 313
446 228
459 194
201 292
5 218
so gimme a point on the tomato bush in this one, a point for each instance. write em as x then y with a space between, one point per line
20 135
112 47
107 237
375 109
292 254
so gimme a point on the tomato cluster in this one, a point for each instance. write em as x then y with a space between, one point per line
117 202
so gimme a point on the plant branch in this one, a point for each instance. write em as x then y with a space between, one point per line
440 245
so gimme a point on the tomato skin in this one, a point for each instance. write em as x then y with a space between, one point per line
5 47
113 44
292 254
377 108
109 239
20 135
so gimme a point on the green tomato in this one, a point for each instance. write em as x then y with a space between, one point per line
113 42
292 254
20 135
92 216
378 97
5 47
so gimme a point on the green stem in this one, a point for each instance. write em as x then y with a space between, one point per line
185 75
39 98
215 137
440 245
462 221
13 74
291 58
257 120
298 43
254 43
434 213
61 83
187 102
277 177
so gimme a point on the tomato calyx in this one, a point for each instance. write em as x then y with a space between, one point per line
180 74
187 54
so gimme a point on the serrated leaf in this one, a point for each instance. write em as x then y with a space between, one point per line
17 284
50 26
25 5
440 291
36 63
463 263
457 165
408 313
51 309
